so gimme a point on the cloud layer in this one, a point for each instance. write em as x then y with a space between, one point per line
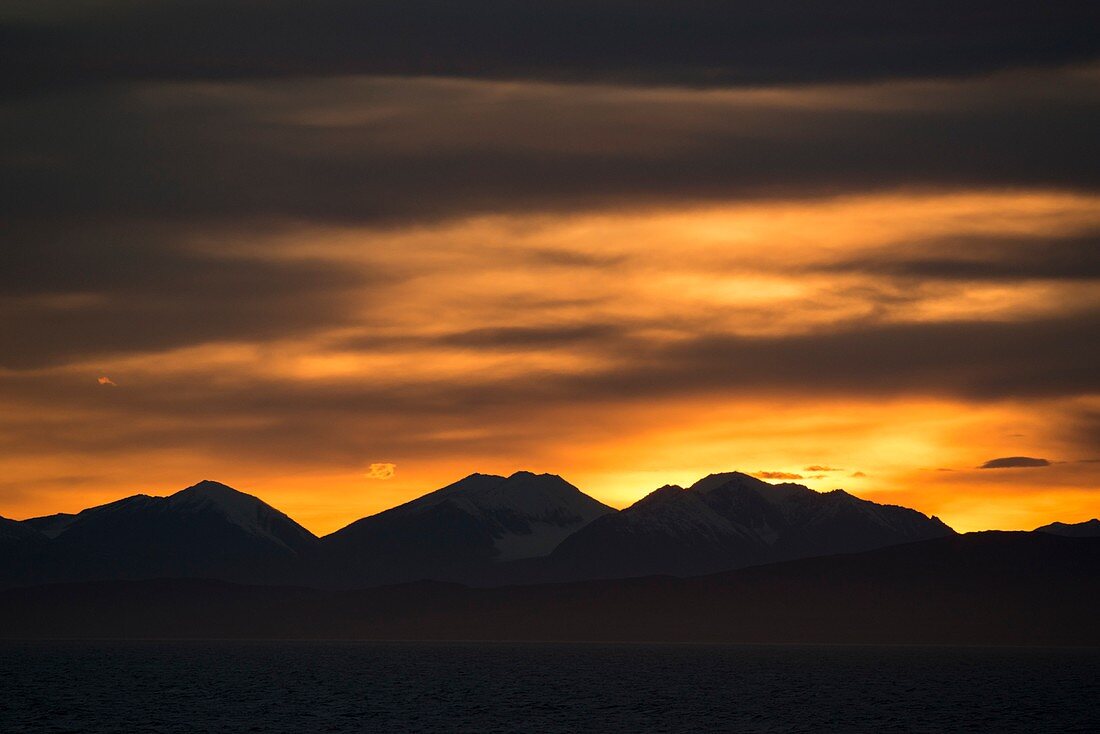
636 241
694 42
1014 462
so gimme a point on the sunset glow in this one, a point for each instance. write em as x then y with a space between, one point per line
403 280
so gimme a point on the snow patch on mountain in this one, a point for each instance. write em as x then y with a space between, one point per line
526 514
676 512
249 513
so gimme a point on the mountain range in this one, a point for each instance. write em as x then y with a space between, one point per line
208 531
483 530
732 520
1087 529
465 531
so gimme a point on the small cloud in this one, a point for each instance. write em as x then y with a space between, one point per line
381 470
1011 462
776 475
858 474
105 380
817 467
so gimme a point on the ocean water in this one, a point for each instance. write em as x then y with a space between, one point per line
471 687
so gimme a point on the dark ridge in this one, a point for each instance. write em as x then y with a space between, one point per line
981 588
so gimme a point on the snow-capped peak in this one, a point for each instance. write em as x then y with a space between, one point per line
713 481
526 514
530 495
247 512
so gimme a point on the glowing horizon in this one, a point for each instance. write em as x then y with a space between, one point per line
379 284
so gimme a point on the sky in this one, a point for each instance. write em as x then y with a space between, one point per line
339 254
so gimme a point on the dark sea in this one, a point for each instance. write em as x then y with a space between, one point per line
499 687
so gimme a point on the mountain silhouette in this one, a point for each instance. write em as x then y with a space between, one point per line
208 530
459 532
51 525
1087 529
793 565
732 520
14 532
484 530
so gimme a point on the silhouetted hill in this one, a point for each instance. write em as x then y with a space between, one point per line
982 588
483 530
13 532
208 530
733 520
460 531
51 525
1087 529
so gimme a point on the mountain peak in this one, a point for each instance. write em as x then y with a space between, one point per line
547 479
732 519
248 512
478 519
713 481
478 475
1086 529
211 493
209 486
537 495
659 495
517 491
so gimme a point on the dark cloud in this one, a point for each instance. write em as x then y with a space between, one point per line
384 151
159 156
100 216
1050 257
73 295
777 475
694 42
534 337
973 360
567 259
343 419
1082 427
970 359
1012 462
242 417
539 338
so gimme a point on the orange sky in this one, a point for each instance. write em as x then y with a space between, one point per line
394 283
763 270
